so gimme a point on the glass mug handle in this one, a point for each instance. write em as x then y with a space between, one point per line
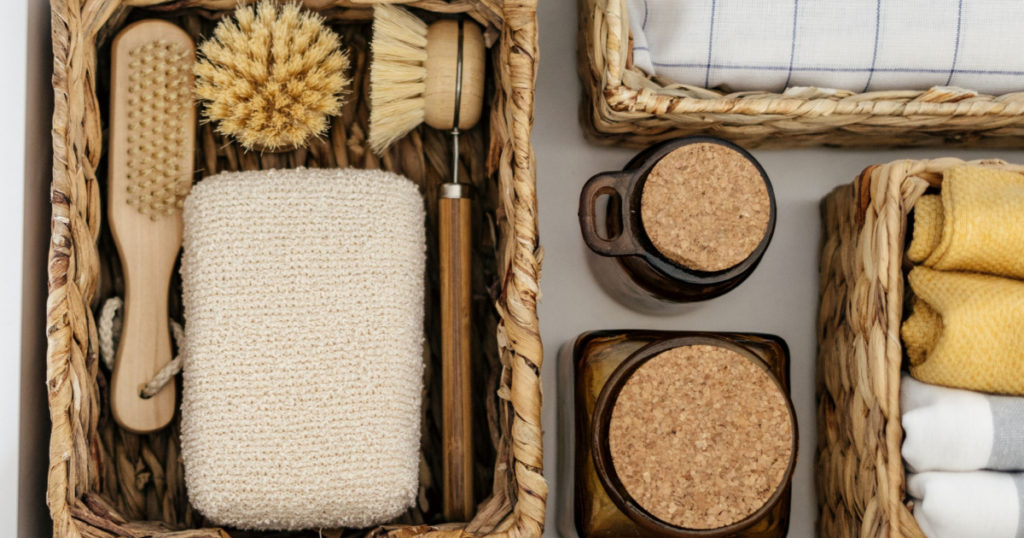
614 185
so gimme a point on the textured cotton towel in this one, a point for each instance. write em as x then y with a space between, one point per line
976 224
965 331
979 504
927 231
859 46
303 361
960 430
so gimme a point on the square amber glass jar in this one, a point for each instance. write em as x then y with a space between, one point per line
589 365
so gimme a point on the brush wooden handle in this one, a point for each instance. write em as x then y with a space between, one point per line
457 419
147 257
150 160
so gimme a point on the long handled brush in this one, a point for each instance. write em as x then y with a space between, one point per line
435 75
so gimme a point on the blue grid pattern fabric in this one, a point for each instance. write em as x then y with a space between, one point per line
856 45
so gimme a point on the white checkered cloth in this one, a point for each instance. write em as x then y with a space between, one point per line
857 45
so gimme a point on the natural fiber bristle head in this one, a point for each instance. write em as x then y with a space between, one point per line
272 77
397 75
159 99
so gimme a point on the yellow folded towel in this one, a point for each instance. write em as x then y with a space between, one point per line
977 226
966 331
927 227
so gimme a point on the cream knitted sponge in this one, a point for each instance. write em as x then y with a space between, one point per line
303 360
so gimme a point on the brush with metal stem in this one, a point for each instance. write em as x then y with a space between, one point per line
435 75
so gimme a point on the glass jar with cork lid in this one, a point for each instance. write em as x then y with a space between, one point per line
686 220
679 434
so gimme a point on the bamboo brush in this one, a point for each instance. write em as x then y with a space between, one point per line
152 137
435 75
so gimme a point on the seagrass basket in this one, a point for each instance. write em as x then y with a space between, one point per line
621 105
104 481
859 470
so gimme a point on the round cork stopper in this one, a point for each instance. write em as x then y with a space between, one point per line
700 436
705 206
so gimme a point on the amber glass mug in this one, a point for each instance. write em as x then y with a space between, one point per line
621 255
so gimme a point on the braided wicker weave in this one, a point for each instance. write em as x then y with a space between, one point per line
104 481
622 106
859 471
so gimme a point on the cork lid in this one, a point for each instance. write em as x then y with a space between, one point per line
705 206
700 436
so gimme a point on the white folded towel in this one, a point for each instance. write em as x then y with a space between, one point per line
959 430
979 504
860 46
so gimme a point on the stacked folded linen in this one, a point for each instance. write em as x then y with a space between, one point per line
965 450
968 302
951 435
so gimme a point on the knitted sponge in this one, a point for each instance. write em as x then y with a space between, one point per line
303 357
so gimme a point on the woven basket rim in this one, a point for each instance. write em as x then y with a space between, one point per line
623 104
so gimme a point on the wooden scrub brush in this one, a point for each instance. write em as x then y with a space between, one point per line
435 75
272 76
150 156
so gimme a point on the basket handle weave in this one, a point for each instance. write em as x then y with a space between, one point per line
864 194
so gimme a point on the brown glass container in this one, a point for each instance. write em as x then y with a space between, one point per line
621 255
602 361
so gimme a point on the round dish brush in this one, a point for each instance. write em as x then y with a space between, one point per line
435 75
420 72
272 76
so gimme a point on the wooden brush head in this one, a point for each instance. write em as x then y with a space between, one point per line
442 74
414 72
153 118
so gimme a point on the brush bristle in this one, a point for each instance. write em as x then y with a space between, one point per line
397 75
272 77
159 99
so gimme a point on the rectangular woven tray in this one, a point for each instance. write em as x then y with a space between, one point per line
104 481
622 106
859 471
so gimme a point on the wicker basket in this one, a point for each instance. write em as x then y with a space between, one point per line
859 471
622 106
104 481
